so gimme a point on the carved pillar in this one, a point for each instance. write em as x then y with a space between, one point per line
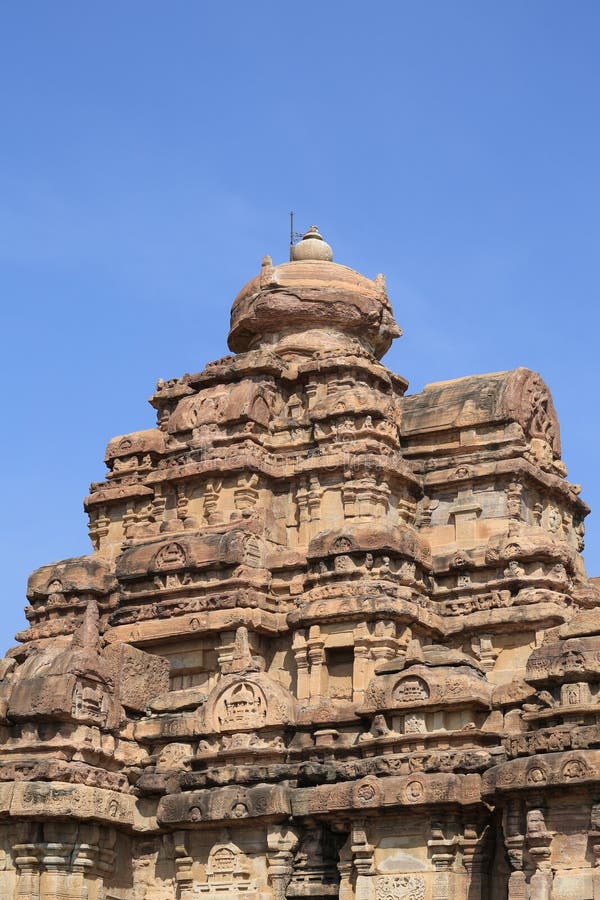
314 497
212 493
27 859
371 646
514 840
442 850
475 852
312 392
245 495
106 853
384 644
361 668
594 843
66 863
539 841
316 658
281 843
362 854
183 867
595 839
308 499
486 653
303 514
372 498
302 673
346 891
406 511
55 879
99 526
130 520
514 502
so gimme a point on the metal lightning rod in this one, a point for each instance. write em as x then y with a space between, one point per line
294 235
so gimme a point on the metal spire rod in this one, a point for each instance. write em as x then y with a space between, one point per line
294 235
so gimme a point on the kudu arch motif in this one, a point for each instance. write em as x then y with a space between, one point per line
333 639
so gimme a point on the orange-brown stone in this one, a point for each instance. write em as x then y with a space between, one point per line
333 640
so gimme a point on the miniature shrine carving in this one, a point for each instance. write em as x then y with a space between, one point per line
333 639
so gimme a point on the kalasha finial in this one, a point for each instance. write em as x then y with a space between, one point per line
312 246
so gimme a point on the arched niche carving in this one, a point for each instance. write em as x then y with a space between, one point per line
228 872
244 702
411 688
170 556
242 705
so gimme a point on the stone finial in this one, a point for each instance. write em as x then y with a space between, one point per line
313 247
86 635
242 658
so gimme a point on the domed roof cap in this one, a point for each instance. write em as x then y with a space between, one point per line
310 304
312 246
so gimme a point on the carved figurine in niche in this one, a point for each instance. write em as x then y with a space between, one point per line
414 724
535 822
87 701
346 427
513 499
343 563
241 741
542 418
572 658
55 593
554 519
400 887
407 571
317 856
239 810
574 694
294 407
558 572
574 769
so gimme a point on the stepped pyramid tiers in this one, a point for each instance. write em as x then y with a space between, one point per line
332 640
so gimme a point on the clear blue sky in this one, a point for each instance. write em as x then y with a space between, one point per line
150 153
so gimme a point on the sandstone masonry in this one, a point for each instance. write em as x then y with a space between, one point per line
332 640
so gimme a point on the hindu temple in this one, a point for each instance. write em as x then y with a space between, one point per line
332 639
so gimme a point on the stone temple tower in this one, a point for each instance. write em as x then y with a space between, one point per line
332 640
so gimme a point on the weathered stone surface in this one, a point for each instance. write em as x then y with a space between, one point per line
138 676
332 641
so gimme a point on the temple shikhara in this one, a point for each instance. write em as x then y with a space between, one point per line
333 639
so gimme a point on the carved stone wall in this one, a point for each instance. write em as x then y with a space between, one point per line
333 640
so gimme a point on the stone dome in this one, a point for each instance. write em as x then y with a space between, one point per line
312 294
